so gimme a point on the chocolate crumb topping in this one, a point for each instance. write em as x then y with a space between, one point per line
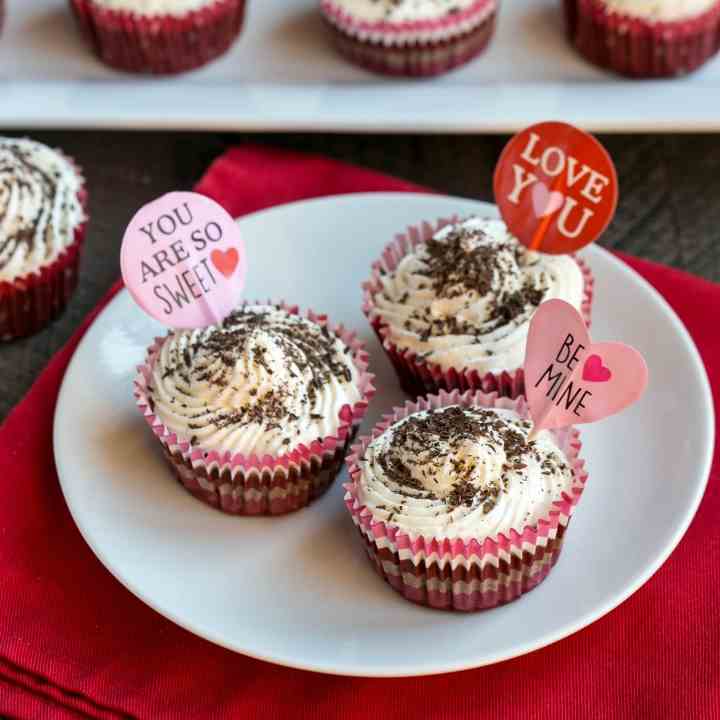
286 359
468 261
434 438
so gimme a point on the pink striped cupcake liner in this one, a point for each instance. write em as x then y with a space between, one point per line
31 302
418 376
638 47
420 48
456 574
266 485
160 44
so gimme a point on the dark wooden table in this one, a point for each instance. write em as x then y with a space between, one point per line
669 209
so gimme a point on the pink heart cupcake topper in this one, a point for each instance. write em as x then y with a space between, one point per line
183 260
569 380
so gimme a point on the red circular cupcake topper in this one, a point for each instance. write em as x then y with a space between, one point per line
183 260
556 188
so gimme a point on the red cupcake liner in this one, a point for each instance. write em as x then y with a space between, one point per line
267 485
383 47
163 44
640 48
31 302
465 575
419 377
424 60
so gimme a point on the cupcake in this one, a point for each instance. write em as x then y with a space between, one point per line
458 508
452 308
161 37
414 38
255 414
42 229
645 38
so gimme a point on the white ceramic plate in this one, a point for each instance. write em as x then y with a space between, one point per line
282 74
299 590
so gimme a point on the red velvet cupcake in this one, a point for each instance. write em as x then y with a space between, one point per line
457 508
415 38
161 37
645 38
452 302
255 414
42 229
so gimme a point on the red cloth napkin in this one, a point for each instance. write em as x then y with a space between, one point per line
75 644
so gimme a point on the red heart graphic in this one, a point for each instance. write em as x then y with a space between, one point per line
595 371
226 262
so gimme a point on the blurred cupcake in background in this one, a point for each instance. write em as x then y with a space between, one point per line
645 38
42 229
416 38
160 37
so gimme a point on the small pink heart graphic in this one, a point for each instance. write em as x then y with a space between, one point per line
226 262
595 371
545 202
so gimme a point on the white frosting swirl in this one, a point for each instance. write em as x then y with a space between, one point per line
407 22
402 10
155 7
262 382
465 299
482 480
660 10
39 206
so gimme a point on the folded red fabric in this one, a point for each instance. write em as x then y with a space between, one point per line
74 643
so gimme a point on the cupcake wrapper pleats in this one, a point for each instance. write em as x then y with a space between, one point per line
640 48
437 46
161 45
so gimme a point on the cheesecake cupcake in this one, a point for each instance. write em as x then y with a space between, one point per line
645 38
416 38
452 304
457 506
255 414
160 37
42 229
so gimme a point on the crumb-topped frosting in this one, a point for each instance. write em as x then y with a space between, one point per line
155 7
402 10
464 299
660 10
462 473
261 382
39 206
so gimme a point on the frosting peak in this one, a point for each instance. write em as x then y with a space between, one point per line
462 472
263 381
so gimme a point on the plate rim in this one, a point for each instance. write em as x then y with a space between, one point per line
379 671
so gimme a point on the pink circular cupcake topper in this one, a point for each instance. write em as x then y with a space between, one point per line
183 260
